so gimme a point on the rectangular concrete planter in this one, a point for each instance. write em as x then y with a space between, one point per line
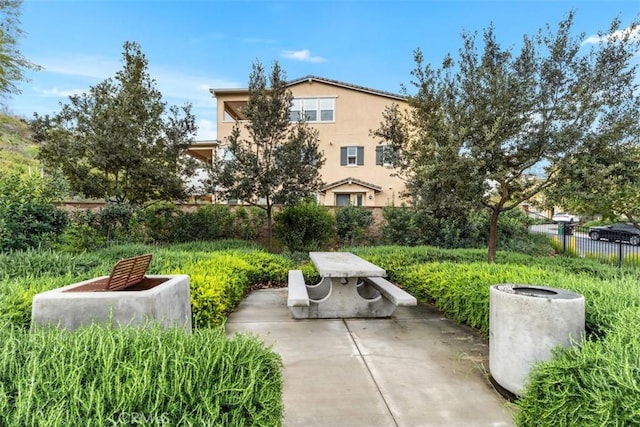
161 299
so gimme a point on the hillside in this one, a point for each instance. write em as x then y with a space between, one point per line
17 148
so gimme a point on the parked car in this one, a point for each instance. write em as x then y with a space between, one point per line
565 217
616 232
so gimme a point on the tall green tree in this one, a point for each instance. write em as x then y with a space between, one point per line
478 124
12 63
273 160
119 141
603 177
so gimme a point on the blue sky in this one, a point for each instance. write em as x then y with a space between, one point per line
196 45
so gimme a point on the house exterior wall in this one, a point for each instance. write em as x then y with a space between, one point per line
356 113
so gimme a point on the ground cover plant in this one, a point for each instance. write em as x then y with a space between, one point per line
596 383
102 376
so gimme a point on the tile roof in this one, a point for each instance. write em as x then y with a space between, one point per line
311 78
351 180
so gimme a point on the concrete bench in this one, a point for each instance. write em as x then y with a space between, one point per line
390 291
298 295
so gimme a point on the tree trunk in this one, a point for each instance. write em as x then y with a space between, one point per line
493 235
269 229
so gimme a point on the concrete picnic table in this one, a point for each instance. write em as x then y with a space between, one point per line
349 287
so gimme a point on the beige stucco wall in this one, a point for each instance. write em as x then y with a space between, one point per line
356 114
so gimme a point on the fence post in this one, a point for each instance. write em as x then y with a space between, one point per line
560 236
620 253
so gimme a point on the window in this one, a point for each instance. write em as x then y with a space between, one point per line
310 109
326 109
352 156
294 111
384 155
314 109
226 154
343 199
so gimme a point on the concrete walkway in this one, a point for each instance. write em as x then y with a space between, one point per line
413 369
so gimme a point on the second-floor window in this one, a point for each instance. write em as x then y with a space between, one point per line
352 156
312 109
384 155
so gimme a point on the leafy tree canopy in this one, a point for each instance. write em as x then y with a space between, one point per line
119 141
479 123
603 176
12 62
273 161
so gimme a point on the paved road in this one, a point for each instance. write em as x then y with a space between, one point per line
584 245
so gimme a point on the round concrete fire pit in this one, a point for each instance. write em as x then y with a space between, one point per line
525 323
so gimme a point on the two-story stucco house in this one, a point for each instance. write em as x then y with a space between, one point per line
355 170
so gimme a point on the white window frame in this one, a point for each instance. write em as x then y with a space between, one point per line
352 155
317 105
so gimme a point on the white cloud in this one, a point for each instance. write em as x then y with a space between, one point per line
206 130
302 55
633 33
58 93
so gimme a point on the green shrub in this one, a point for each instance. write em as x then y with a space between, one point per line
461 291
209 222
114 220
249 222
47 263
159 221
78 238
595 384
352 223
28 218
219 281
304 227
102 376
409 226
166 223
400 227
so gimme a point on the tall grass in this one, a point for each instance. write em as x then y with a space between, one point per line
103 376
596 384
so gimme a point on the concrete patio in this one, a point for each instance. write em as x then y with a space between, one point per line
413 369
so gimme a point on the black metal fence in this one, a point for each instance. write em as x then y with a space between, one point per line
619 248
